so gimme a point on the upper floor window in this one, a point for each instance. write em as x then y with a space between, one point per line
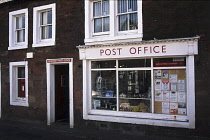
18 29
44 26
127 15
113 20
101 16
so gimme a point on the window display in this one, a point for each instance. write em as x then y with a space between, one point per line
138 85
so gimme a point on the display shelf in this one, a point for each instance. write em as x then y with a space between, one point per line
104 97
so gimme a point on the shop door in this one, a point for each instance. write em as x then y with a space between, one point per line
62 93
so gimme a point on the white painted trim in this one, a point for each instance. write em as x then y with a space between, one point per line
13 89
12 40
37 42
143 118
50 66
113 35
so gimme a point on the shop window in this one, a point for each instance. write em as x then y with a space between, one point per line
18 29
113 20
18 83
44 26
156 87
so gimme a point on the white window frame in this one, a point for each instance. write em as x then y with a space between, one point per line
37 41
113 35
187 121
13 44
14 99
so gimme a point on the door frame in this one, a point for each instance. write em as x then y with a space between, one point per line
50 69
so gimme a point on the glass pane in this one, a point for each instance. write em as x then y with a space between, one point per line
103 90
170 93
123 22
49 17
44 32
49 34
43 18
132 5
21 72
98 25
134 63
96 9
23 35
105 7
122 6
20 35
18 22
23 21
170 62
135 91
105 24
21 88
103 64
133 22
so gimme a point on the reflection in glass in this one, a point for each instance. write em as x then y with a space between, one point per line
134 63
123 22
103 89
98 25
135 90
103 64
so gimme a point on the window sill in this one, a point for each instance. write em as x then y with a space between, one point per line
17 47
144 121
43 44
19 103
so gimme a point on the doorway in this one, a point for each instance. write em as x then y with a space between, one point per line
60 91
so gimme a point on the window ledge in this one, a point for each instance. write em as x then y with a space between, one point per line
19 103
17 47
43 44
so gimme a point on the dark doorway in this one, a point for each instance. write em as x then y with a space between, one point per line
62 93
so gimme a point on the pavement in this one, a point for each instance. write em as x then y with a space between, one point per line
15 130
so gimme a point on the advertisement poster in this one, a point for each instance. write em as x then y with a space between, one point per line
182 108
165 104
173 78
174 108
181 85
165 85
158 95
157 74
158 84
165 110
173 86
173 96
165 95
165 74
181 96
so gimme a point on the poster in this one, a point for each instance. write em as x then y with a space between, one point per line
165 110
165 96
182 108
181 96
165 85
165 74
173 78
173 86
165 104
174 108
173 96
158 95
181 85
157 74
158 84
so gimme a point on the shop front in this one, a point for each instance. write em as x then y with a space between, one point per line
146 82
